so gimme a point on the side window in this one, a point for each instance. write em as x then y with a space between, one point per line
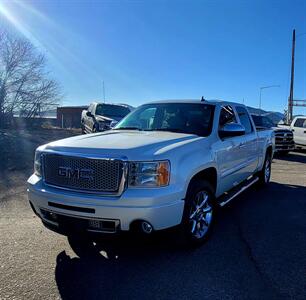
244 119
300 123
227 116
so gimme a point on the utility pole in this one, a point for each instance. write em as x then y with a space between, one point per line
290 100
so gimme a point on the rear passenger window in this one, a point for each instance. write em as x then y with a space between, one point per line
244 119
300 123
227 116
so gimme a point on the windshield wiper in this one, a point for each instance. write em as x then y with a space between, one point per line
128 128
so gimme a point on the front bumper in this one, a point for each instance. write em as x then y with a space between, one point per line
279 147
162 208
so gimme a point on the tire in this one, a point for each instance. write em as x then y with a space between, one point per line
199 213
95 129
265 174
82 245
284 153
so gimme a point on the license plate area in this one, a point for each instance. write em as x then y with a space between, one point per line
81 224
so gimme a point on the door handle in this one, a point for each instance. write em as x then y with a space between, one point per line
242 145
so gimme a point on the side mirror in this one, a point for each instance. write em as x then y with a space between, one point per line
88 114
231 130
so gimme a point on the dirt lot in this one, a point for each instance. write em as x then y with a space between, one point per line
257 250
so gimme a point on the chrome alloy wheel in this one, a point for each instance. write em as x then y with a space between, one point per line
200 215
267 170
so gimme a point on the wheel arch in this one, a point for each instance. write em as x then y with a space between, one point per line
269 150
209 174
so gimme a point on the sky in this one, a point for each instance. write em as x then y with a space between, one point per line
151 50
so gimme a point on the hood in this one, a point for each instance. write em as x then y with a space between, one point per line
129 143
281 129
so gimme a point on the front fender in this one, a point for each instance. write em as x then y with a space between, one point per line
191 164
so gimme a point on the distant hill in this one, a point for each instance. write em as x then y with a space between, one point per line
274 116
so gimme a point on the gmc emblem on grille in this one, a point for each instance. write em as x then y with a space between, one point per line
70 173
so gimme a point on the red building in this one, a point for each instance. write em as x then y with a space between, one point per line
69 116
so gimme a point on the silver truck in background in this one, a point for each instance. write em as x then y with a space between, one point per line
103 116
284 142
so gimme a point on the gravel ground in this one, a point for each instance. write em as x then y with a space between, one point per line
257 250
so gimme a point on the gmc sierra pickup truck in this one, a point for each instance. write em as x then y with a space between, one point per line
167 164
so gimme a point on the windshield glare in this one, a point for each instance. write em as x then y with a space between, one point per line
188 118
111 110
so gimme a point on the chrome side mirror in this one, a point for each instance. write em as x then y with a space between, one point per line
231 130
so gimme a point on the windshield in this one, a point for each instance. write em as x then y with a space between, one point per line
261 121
110 110
191 118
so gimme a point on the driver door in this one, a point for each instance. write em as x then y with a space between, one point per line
229 153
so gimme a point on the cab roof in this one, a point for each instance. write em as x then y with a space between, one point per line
198 101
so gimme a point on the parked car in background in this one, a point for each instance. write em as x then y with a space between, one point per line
298 126
168 163
284 142
103 116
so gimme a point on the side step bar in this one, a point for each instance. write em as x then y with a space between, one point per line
237 191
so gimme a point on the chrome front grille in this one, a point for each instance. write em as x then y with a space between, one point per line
83 174
283 136
284 140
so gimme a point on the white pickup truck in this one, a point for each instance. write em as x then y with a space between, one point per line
298 126
166 164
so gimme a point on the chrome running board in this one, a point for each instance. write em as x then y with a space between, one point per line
230 196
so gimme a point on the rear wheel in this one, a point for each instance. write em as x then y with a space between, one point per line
199 213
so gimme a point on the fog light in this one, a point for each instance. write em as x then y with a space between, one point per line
48 215
146 227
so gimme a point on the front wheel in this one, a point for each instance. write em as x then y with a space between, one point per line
265 174
199 213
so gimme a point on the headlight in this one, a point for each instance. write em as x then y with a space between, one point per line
102 125
113 124
149 174
37 163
